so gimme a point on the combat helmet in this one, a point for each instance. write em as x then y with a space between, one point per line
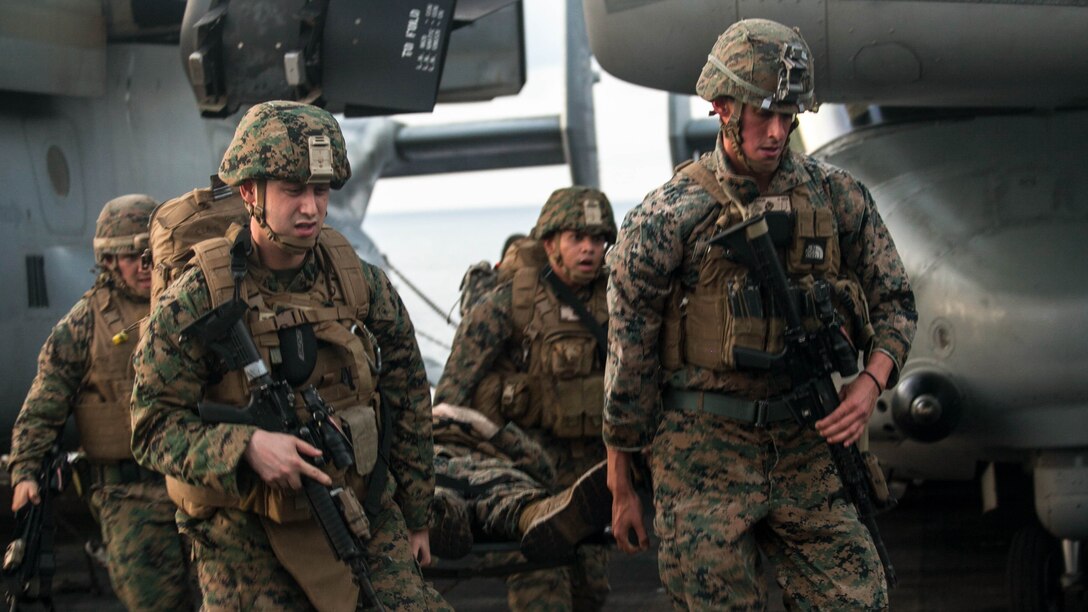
122 226
762 63
287 141
577 208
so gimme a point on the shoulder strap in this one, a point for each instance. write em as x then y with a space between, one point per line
699 173
524 297
100 298
345 266
588 320
213 257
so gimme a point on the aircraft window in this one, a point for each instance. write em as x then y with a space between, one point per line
35 282
57 166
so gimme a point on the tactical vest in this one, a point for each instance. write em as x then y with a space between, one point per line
562 389
724 309
102 407
345 374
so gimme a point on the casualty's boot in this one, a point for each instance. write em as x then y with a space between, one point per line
451 535
553 526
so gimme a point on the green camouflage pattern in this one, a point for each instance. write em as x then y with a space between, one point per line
122 226
271 143
726 492
169 437
484 342
238 570
147 560
509 469
513 471
578 208
657 248
752 50
63 362
723 490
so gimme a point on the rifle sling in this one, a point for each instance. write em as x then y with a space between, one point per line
563 292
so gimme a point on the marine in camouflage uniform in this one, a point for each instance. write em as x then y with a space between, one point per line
523 355
497 482
85 367
728 483
255 543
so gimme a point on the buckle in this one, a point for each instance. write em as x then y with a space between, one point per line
761 413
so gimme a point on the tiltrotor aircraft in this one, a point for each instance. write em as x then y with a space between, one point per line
967 120
105 97
969 123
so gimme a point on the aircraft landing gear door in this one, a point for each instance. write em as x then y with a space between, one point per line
1047 572
58 173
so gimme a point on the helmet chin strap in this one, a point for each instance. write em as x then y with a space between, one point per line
290 245
732 132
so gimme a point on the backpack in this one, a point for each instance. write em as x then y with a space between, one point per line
178 224
482 277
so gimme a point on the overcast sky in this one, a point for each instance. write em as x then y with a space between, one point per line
631 134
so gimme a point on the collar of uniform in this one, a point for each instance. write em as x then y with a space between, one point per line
301 281
785 178
788 175
743 187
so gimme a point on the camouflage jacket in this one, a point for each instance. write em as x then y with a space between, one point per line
657 248
63 365
169 437
465 450
483 338
485 341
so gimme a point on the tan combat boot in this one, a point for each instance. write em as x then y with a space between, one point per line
553 526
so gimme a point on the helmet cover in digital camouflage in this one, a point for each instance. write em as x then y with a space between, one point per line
122 226
762 63
287 141
577 208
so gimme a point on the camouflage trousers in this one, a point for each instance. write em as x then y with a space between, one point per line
238 569
724 492
583 585
147 564
498 492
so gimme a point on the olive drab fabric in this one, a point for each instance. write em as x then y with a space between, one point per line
179 224
85 369
578 208
761 63
287 141
521 355
561 388
724 309
345 373
504 473
121 228
102 406
728 492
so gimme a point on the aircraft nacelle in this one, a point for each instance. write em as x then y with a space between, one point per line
359 58
923 53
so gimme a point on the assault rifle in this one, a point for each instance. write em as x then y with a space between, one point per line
809 358
271 407
30 561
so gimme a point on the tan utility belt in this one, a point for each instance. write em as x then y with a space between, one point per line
757 412
121 472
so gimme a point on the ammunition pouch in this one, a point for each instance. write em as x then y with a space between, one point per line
506 396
